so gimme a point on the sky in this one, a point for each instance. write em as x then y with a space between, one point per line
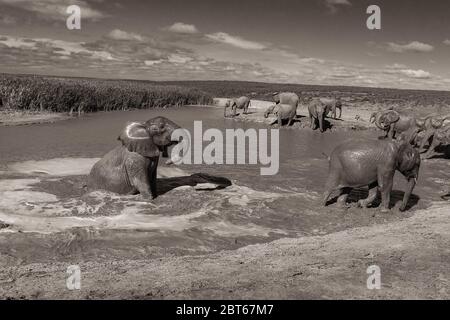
322 42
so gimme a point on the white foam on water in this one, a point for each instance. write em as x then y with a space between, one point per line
56 166
75 166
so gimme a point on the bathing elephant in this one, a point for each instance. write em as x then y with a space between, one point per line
237 103
283 112
131 167
358 163
392 122
440 137
333 104
317 112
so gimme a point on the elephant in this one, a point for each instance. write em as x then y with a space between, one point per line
237 103
317 112
285 106
392 122
357 163
430 125
333 104
131 167
282 112
440 137
289 98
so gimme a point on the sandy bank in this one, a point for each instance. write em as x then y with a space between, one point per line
15 118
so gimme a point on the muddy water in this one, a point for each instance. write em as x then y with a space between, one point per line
43 171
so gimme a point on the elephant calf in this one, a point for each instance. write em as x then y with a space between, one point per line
239 103
358 163
131 167
283 112
317 112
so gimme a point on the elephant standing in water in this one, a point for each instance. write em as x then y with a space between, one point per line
285 107
431 125
131 167
317 112
358 163
333 104
392 122
239 103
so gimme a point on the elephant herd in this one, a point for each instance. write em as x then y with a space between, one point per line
131 167
426 133
285 108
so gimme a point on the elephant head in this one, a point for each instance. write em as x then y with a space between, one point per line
149 139
408 163
386 119
269 110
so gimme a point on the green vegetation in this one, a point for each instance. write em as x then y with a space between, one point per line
36 93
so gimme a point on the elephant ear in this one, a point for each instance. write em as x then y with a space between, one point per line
137 138
387 118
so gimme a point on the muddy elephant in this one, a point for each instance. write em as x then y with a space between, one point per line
333 104
131 167
285 106
393 122
283 112
441 137
237 103
317 112
359 163
430 125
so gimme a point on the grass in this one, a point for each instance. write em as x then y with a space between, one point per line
52 94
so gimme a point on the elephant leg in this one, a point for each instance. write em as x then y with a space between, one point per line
280 120
234 107
152 170
246 107
340 112
291 120
138 177
373 191
385 181
426 139
391 132
432 148
342 199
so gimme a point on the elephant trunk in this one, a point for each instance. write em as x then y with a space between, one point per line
381 125
321 116
408 191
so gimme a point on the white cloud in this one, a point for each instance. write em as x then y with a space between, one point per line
417 74
178 59
55 9
118 34
333 5
65 48
414 46
223 37
447 42
153 62
180 27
